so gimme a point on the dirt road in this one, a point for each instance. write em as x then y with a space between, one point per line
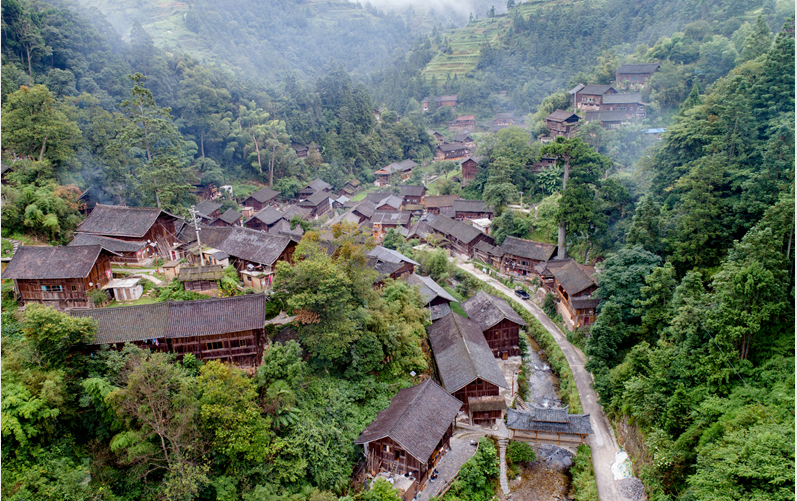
603 443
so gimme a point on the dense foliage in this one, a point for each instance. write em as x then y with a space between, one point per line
695 338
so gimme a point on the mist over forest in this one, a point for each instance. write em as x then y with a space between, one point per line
618 176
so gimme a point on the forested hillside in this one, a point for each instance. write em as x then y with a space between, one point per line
536 49
694 341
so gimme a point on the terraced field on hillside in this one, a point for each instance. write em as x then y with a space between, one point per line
465 44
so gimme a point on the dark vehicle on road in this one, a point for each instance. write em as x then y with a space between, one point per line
522 294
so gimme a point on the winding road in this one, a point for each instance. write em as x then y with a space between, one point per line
603 444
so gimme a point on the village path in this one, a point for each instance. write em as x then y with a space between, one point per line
603 444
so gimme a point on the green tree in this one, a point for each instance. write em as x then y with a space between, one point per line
35 125
155 147
758 42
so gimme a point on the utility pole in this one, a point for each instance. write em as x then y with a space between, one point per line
196 228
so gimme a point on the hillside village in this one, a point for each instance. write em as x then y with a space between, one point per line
544 252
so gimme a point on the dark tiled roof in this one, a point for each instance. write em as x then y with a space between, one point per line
572 278
546 268
463 232
268 216
438 311
489 249
391 217
112 244
476 159
505 115
206 207
250 245
230 216
377 196
125 324
487 310
412 191
429 289
637 68
584 303
440 201
283 227
195 273
366 208
119 221
549 420
173 319
537 251
383 268
595 90
470 206
452 147
462 138
462 354
402 166
561 116
416 419
263 195
389 255
419 230
627 98
31 263
318 185
318 198
487 403
390 201
575 89
606 116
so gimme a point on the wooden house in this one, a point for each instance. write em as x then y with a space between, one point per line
402 170
382 221
466 210
504 119
131 253
561 123
261 199
520 257
209 209
635 75
466 139
434 297
462 123
631 103
441 204
226 329
391 203
439 101
465 362
59 277
411 194
458 236
269 217
544 163
608 119
574 287
351 187
135 224
253 253
314 187
200 278
549 425
412 434
470 167
231 217
318 203
590 97
498 321
488 254
574 92
301 151
437 136
125 289
364 210
390 263
451 151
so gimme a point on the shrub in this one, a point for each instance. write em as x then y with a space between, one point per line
519 452
549 305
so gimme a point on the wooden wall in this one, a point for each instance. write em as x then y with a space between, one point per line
75 290
477 388
244 348
504 337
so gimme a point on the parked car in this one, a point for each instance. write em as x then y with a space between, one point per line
522 294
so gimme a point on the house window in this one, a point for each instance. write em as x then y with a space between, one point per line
215 345
524 263
52 288
387 448
73 288
621 108
400 453
242 342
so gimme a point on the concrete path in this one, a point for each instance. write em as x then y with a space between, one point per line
603 443
450 464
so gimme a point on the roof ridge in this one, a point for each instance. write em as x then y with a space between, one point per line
467 348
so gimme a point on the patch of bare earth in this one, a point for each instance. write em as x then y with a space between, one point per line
539 481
